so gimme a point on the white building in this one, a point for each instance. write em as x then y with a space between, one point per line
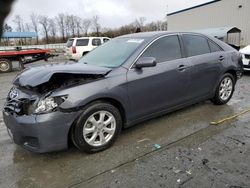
216 13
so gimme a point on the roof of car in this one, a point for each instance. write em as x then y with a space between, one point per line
87 37
156 34
153 34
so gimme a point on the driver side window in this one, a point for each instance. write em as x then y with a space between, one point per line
164 49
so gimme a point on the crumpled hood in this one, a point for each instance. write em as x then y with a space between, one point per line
38 75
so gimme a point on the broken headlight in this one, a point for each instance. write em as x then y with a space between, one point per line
49 104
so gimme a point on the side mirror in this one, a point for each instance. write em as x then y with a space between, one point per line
145 62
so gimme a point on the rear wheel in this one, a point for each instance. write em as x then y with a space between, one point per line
225 90
97 128
5 65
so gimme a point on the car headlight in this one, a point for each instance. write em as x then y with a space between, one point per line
49 104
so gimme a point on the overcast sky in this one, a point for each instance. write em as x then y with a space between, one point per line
112 13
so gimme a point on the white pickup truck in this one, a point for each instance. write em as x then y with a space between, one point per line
78 47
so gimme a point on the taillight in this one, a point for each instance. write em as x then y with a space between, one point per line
74 50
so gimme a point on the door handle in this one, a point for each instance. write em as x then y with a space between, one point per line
221 58
182 67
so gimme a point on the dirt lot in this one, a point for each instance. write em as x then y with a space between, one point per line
191 152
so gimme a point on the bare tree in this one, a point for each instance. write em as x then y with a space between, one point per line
67 26
44 21
165 25
151 27
96 24
19 23
34 23
86 23
52 29
60 20
72 24
78 22
139 23
27 27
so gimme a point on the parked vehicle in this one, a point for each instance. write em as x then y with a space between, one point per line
23 56
246 57
78 47
128 80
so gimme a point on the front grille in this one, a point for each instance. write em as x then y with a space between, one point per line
247 56
247 66
18 106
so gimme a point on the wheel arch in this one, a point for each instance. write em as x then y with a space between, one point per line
115 103
84 53
232 72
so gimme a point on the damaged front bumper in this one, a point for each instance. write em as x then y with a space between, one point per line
40 133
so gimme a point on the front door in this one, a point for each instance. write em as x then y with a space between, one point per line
156 88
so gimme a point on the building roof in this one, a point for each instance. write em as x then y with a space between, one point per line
219 32
19 35
190 8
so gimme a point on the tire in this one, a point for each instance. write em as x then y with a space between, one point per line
87 132
5 65
224 90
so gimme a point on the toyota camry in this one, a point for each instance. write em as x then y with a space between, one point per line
127 80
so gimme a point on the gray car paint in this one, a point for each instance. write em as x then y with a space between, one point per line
38 75
140 93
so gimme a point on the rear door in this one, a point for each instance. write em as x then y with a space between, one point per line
81 46
205 58
156 88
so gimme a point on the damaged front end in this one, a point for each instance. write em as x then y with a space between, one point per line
32 89
32 112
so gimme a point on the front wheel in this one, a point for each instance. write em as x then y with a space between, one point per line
225 90
97 128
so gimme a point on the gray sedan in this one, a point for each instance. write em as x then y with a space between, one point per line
128 80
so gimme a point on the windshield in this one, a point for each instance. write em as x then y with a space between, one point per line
113 53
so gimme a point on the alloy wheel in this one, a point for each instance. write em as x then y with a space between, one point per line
99 128
226 88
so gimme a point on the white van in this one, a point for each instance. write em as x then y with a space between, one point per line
78 47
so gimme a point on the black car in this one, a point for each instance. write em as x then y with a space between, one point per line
130 79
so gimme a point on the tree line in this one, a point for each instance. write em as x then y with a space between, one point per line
64 26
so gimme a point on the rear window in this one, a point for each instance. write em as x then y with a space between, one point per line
195 45
96 42
105 40
214 47
70 43
82 42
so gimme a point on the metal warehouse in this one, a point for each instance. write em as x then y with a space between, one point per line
214 14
